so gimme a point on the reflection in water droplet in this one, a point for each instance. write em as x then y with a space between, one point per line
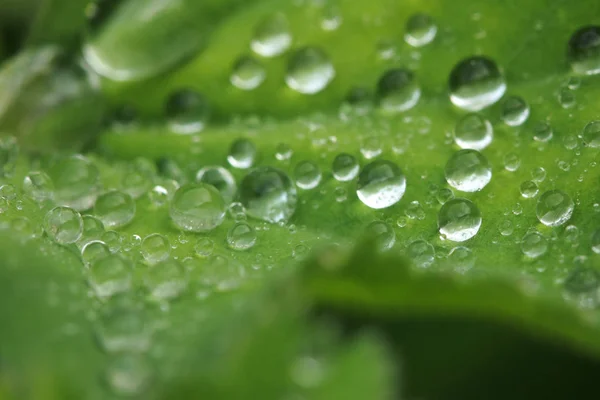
476 83
515 111
554 208
421 253
584 51
204 247
534 245
268 194
94 251
591 134
271 36
473 132
197 207
155 248
186 111
398 90
38 185
307 175
309 71
242 154
221 179
420 30
459 220
63 225
468 171
382 233
529 189
345 167
114 208
241 237
542 132
247 73
76 182
110 275
381 184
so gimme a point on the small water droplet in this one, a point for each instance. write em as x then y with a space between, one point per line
38 185
420 30
538 174
242 154
529 189
309 71
155 248
506 228
76 182
542 132
128 374
9 153
307 174
566 98
584 50
382 233
381 184
476 83
63 225
197 207
371 147
591 134
187 111
473 132
268 194
110 275
459 220
272 36
468 171
534 245
165 280
415 211
204 247
554 208
241 237
345 167
114 208
331 18
398 90
283 152
124 329
421 253
512 162
515 111
247 73
113 240
341 194
94 251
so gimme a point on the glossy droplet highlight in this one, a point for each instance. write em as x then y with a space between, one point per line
307 174
268 194
398 90
542 132
63 225
38 185
344 167
468 171
529 189
247 73
309 71
110 275
221 179
165 280
584 51
381 184
515 111
473 132
554 208
459 220
186 111
534 245
197 207
241 237
242 154
272 36
420 30
476 83
155 248
114 208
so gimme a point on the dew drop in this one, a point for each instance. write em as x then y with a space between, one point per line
415 211
584 51
155 248
534 245
38 185
476 83
529 189
197 207
345 167
459 220
554 208
473 132
382 233
113 240
110 275
76 182
591 134
506 228
515 111
241 237
307 174
93 229
268 194
542 132
247 73
128 374
421 253
582 280
566 98
538 174
309 71
186 111
595 241
114 208
9 153
272 36
94 251
381 184
124 330
420 30
398 90
242 154
443 195
221 179
63 224
468 171
204 247
283 152
512 162
165 280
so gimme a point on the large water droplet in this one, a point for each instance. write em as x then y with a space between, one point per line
468 171
186 111
381 184
241 236
309 71
271 36
63 224
247 73
554 208
420 30
473 132
242 154
307 174
76 182
591 134
197 207
584 51
459 220
382 233
115 208
515 111
534 245
221 179
476 83
345 167
268 194
398 90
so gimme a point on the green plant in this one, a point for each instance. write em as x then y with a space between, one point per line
304 281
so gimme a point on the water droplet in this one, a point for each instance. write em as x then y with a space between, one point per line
242 154
155 248
584 50
595 241
247 73
113 240
345 167
271 36
114 208
542 132
582 280
459 220
570 142
473 132
506 228
165 280
529 189
371 147
128 374
515 111
571 234
341 194
76 182
381 184
476 83
420 30
283 152
63 224
386 49
197 207
538 174
554 208
204 247
591 134
468 171
512 162
221 179
331 18
382 233
38 186
415 211
534 245
8 192
124 330
566 98
268 194
241 237
308 372
398 90
110 275
443 195
9 153
421 253
186 111
308 175
93 229
461 258
309 71
94 251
